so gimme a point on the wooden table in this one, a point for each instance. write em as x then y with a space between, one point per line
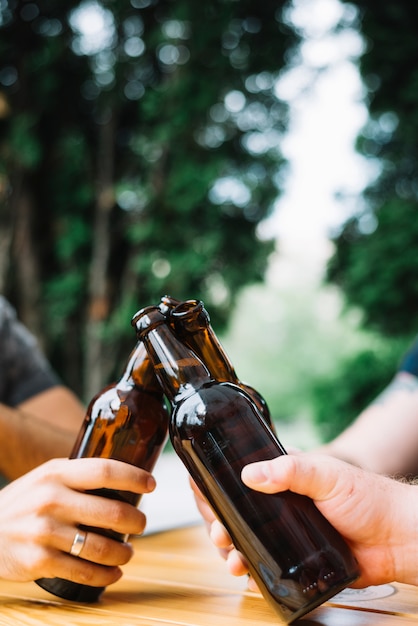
177 578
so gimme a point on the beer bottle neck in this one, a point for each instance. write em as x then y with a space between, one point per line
179 371
139 371
192 324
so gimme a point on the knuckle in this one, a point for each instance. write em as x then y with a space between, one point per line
41 529
39 560
85 574
291 462
103 551
116 513
107 472
50 468
48 498
123 518
108 551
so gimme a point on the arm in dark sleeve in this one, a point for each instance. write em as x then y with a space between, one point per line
24 370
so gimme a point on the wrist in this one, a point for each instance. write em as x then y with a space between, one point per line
404 540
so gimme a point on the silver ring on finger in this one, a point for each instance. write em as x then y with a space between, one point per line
78 543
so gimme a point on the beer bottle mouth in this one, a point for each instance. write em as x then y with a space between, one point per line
146 319
187 306
190 316
167 304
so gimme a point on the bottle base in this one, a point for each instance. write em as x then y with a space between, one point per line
69 590
315 602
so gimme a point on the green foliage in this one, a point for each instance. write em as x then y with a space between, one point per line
24 147
355 383
375 261
378 271
62 294
282 340
118 146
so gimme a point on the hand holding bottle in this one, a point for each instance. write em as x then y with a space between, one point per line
40 514
375 514
126 421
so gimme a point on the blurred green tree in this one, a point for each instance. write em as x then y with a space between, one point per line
375 261
139 150
357 381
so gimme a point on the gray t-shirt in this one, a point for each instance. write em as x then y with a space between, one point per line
24 370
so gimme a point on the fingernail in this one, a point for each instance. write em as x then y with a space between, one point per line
151 484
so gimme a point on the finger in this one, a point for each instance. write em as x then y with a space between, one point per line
315 476
106 513
219 535
106 551
202 504
63 506
100 549
95 473
53 535
237 564
252 585
61 565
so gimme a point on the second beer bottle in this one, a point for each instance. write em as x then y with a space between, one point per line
191 323
126 421
296 557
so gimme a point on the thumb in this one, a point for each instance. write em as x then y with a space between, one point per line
314 475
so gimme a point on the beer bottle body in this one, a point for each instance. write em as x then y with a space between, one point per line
296 557
126 421
294 554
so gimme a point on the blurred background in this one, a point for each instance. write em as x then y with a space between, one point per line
260 156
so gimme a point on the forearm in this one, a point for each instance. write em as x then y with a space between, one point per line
26 442
384 437
41 428
58 406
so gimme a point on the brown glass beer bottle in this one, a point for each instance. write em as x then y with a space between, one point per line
191 323
126 421
296 557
